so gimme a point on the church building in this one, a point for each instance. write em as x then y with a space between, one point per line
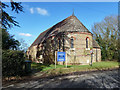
69 36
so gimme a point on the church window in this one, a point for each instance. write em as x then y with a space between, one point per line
87 42
72 42
59 44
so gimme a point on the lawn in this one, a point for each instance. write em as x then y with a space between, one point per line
61 69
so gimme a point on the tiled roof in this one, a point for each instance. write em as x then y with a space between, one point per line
69 24
95 44
39 38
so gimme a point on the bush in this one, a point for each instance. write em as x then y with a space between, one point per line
12 63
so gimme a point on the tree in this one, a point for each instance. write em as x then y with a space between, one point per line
106 34
23 46
8 42
12 59
7 20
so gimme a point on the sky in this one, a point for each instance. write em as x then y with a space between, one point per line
62 0
39 16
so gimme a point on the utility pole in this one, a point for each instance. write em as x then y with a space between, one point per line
66 59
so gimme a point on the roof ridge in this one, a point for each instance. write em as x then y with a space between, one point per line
61 25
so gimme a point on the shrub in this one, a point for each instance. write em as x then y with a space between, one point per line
12 63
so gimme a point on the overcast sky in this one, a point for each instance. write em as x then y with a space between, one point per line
39 16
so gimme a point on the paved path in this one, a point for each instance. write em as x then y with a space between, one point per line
101 79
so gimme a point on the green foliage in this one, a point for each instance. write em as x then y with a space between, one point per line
7 20
61 69
12 60
106 34
12 63
8 42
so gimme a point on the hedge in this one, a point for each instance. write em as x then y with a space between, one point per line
12 63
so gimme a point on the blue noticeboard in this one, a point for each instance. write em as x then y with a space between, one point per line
60 56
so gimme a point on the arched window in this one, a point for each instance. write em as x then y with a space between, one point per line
87 42
72 42
59 43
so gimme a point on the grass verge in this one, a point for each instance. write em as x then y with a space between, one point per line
61 69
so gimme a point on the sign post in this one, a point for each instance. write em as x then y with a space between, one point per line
66 60
91 52
55 59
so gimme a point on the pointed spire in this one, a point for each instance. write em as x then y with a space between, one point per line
73 12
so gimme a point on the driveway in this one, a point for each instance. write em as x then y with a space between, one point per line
101 79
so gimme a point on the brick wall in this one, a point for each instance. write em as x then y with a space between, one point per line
32 53
81 54
77 55
96 55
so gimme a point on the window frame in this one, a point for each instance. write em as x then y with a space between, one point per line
72 42
87 42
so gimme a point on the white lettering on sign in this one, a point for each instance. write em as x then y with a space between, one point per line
61 59
61 54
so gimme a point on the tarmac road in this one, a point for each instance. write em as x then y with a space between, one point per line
101 79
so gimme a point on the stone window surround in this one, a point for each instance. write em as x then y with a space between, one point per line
87 43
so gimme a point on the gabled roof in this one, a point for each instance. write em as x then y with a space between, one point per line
39 38
95 44
70 24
